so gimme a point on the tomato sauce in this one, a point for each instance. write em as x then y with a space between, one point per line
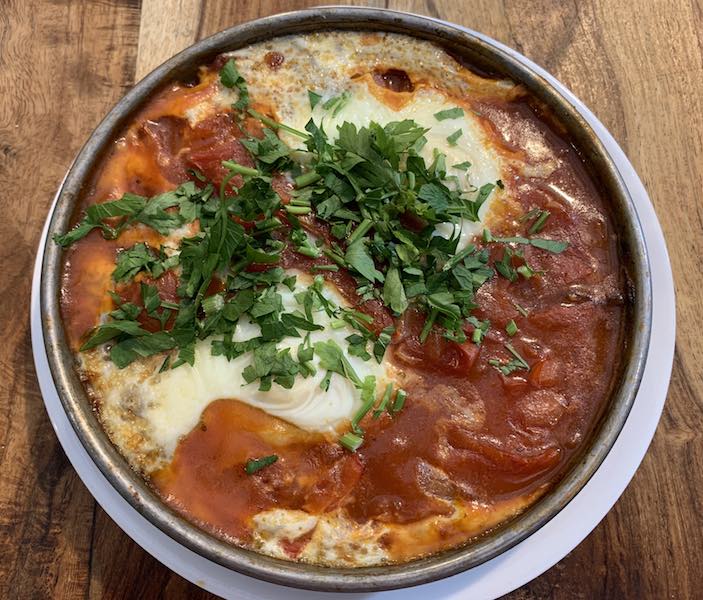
467 432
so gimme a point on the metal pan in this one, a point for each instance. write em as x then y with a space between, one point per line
132 487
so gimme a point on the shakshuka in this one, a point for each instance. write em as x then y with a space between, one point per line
340 299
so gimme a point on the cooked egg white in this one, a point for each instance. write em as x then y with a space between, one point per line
334 65
363 107
178 396
335 539
171 402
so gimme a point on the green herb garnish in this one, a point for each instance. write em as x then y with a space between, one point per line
232 78
256 464
399 401
141 258
114 216
512 365
450 113
333 359
351 441
539 222
314 99
337 103
383 205
385 399
521 309
454 137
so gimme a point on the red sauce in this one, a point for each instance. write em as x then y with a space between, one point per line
467 432
206 477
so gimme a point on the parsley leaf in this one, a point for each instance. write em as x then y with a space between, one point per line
357 257
517 362
332 359
108 331
454 137
256 464
141 258
393 292
314 99
381 343
231 78
450 113
436 196
553 246
127 351
131 208
271 153
505 265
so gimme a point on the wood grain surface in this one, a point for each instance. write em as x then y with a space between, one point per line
638 65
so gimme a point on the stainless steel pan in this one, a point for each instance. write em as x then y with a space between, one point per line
475 52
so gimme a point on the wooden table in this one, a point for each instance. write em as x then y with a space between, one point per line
638 65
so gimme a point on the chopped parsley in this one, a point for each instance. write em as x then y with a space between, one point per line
553 246
539 222
333 359
141 258
480 329
256 464
231 78
454 137
450 113
337 103
270 152
351 441
383 204
521 309
517 362
112 217
399 401
314 99
384 401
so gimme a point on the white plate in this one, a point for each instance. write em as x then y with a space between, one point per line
499 576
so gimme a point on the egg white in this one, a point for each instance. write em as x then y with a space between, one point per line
363 108
176 398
